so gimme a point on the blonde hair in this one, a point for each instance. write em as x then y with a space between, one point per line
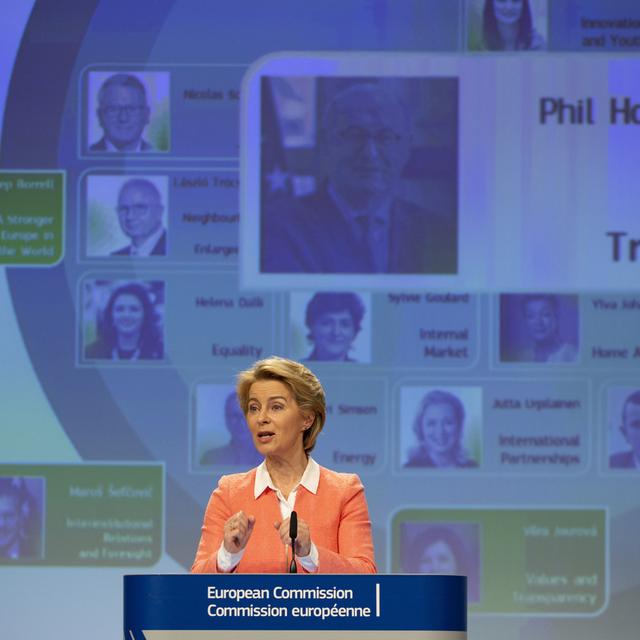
303 384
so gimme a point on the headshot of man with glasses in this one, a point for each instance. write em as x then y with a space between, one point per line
140 215
123 113
357 220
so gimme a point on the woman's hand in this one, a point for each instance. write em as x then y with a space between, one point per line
303 541
237 531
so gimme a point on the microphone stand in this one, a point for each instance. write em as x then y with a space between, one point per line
293 534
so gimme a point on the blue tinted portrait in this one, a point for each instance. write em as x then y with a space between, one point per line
507 25
629 427
128 112
140 214
333 320
123 113
357 214
538 328
21 517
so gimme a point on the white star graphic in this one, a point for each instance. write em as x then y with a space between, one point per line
277 179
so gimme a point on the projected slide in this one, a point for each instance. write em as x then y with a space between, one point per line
432 204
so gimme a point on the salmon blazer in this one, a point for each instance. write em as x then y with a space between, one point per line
337 516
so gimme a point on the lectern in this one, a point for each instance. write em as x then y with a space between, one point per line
300 607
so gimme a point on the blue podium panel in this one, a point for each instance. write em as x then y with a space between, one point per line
238 607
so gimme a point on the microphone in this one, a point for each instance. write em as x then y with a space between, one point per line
293 534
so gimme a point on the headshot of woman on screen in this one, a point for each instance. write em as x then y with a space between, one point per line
333 320
507 25
436 550
443 549
128 327
438 428
541 319
539 327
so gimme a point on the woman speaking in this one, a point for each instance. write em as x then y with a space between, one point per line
246 526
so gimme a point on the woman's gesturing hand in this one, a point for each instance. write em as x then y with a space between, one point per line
303 541
237 531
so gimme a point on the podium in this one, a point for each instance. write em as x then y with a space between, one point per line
288 606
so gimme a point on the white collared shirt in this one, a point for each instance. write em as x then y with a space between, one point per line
227 561
145 249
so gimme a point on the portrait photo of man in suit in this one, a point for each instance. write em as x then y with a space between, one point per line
358 218
123 112
140 215
630 429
